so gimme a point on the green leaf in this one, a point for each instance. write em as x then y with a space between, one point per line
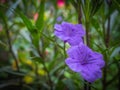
3 44
96 4
31 28
37 59
40 20
26 21
2 17
60 66
52 63
69 83
10 71
117 57
35 39
116 3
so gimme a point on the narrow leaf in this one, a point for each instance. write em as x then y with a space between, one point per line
26 21
40 20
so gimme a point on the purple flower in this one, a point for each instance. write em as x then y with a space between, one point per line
59 19
69 32
83 60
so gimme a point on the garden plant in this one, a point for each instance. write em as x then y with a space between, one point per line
59 44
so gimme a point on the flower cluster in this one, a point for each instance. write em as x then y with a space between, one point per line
81 58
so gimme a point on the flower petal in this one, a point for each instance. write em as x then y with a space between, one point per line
79 52
69 32
60 34
75 40
96 58
58 27
79 29
73 64
91 72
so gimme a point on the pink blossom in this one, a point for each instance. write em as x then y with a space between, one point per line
60 3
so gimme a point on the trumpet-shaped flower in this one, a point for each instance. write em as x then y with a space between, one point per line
69 32
83 60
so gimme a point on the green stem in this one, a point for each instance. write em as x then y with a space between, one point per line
86 86
11 50
89 87
65 51
107 40
48 75
88 44
79 15
118 76
87 33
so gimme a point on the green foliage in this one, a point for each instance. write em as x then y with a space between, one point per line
26 21
40 20
40 55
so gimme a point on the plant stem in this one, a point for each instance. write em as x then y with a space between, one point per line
108 33
64 51
89 87
86 87
118 76
13 55
87 33
88 44
48 75
104 78
79 15
11 50
107 40
80 22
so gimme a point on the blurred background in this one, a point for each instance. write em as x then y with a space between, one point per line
32 58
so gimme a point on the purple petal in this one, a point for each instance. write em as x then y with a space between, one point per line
67 29
73 64
75 40
96 58
79 52
60 34
79 29
69 32
58 27
91 72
